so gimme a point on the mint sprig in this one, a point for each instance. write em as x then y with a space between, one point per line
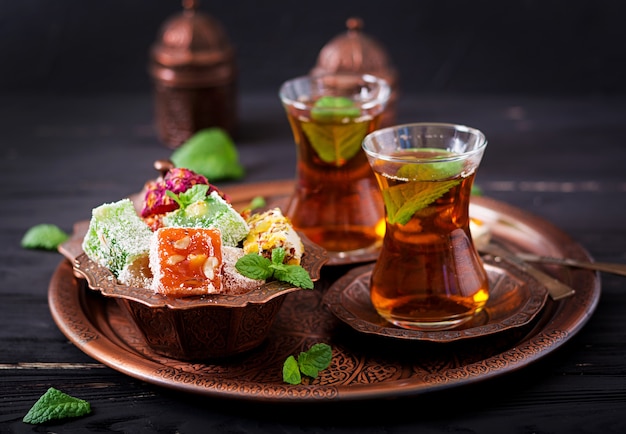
55 404
196 193
255 266
309 363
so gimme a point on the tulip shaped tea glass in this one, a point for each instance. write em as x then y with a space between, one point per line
428 275
336 202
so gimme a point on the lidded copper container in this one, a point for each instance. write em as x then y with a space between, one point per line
194 74
354 51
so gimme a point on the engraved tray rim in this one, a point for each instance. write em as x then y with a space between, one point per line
93 324
366 320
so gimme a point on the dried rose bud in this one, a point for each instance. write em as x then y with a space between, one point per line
177 180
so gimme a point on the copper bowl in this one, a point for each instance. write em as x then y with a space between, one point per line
200 327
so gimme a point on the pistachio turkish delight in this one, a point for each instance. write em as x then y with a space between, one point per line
118 239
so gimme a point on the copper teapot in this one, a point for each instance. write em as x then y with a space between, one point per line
194 73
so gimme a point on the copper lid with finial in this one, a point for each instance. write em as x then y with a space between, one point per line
355 51
193 67
193 49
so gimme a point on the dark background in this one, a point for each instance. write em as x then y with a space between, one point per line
438 46
543 79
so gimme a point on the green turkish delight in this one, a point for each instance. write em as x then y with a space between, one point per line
118 238
211 212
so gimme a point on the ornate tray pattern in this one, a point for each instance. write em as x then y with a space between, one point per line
363 366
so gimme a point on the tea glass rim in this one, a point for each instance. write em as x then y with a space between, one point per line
382 98
368 141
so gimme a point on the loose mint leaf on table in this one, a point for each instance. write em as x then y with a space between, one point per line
44 236
55 404
309 363
210 152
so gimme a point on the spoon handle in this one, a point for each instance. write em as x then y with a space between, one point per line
555 287
607 267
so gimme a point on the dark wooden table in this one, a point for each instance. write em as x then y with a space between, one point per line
562 159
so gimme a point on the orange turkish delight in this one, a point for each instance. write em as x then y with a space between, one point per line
186 261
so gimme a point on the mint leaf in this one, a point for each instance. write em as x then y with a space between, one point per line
254 266
291 371
334 108
278 255
194 194
294 274
334 134
316 359
257 202
404 200
210 152
55 404
432 171
336 143
44 236
309 363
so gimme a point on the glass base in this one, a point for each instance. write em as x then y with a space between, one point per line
432 325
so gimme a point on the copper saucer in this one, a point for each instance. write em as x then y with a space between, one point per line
515 300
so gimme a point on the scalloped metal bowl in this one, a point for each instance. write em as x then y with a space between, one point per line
200 327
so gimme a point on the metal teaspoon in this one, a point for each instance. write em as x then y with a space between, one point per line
607 267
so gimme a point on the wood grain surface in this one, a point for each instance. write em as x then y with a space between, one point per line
560 159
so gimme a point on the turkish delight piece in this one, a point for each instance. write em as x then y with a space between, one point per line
186 261
212 212
137 274
117 238
269 230
235 283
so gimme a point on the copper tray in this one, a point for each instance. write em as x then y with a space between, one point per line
363 366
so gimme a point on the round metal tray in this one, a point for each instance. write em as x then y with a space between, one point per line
364 366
